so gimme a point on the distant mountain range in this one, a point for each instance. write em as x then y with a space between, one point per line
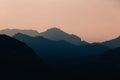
11 32
52 34
57 34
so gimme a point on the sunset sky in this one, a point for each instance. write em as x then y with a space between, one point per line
92 20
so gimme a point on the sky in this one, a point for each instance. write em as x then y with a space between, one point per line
92 20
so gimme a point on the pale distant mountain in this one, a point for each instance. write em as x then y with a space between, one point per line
12 32
51 34
114 43
58 34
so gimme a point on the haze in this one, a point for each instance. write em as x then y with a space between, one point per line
92 20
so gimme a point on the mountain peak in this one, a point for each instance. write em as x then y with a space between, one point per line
57 34
54 29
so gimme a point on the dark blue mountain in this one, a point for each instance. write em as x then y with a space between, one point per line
114 43
101 67
50 48
112 58
68 61
108 64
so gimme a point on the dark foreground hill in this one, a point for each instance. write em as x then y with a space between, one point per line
18 61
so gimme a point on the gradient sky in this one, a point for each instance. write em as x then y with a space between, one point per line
92 20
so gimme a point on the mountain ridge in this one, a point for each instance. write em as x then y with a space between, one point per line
58 34
11 32
43 46
52 34
114 43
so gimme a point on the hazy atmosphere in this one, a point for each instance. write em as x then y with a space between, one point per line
92 20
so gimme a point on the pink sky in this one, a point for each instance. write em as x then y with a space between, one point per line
92 20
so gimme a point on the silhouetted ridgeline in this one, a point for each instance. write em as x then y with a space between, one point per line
57 34
114 43
17 60
68 60
65 59
11 32
60 49
52 34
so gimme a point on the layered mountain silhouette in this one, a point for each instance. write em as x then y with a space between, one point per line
19 60
52 34
58 34
114 43
50 49
66 55
11 32
65 59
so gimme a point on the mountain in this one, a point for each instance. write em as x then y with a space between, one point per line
52 34
112 56
19 60
58 34
42 45
109 63
68 61
114 43
50 49
114 51
102 67
12 32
